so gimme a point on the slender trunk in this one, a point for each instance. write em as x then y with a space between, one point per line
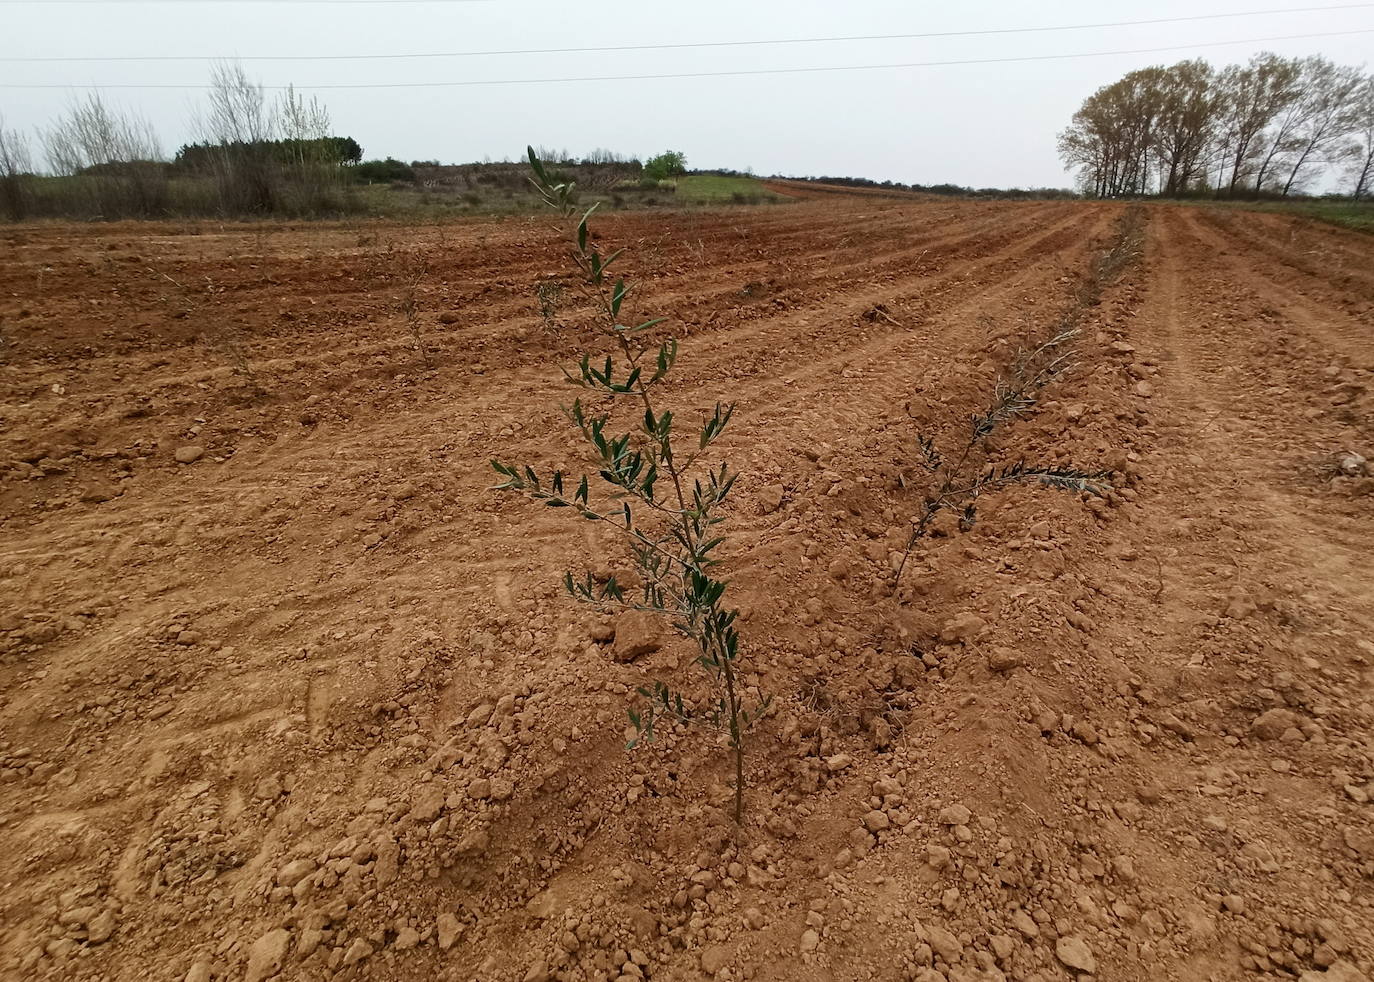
1366 172
1242 148
1293 174
736 736
1264 167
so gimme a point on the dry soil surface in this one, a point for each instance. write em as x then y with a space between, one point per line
289 692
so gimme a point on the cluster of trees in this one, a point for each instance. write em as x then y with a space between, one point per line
1273 126
950 190
254 155
201 157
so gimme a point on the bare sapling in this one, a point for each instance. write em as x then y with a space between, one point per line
956 481
550 295
410 312
654 485
224 338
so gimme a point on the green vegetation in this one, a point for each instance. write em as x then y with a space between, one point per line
382 171
670 163
655 483
718 189
1347 213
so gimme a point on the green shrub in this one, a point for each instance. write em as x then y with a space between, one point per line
383 171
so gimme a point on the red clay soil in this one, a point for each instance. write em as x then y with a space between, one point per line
814 189
288 692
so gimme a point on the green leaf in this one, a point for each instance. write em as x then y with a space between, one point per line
640 327
537 165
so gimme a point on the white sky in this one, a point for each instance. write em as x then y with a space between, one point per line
981 125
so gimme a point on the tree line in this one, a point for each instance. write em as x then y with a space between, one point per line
254 155
1273 126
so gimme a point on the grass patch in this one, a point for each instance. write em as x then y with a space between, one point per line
718 189
1358 215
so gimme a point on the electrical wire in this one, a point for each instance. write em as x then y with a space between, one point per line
602 49
111 3
688 75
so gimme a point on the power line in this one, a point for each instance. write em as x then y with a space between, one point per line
670 46
111 3
676 75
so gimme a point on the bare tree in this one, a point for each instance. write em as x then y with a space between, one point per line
238 111
1111 137
238 125
309 154
1189 102
1254 95
1269 123
1326 114
91 134
299 120
1362 150
16 164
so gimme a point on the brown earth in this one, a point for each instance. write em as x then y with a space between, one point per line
310 704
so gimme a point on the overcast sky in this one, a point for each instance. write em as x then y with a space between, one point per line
982 125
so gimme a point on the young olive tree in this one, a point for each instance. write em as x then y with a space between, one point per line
955 482
653 486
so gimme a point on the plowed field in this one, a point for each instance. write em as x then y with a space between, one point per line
289 692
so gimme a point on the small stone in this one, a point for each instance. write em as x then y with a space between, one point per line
480 789
295 871
101 927
447 928
1144 389
1271 725
810 940
1002 659
838 762
1024 923
1124 867
1085 731
876 821
1075 954
407 938
310 940
637 633
358 951
754 918
955 815
770 498
538 972
189 455
1234 902
946 945
199 972
266 956
427 806
963 627
714 958
388 861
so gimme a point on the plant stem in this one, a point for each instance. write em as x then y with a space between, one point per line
736 738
